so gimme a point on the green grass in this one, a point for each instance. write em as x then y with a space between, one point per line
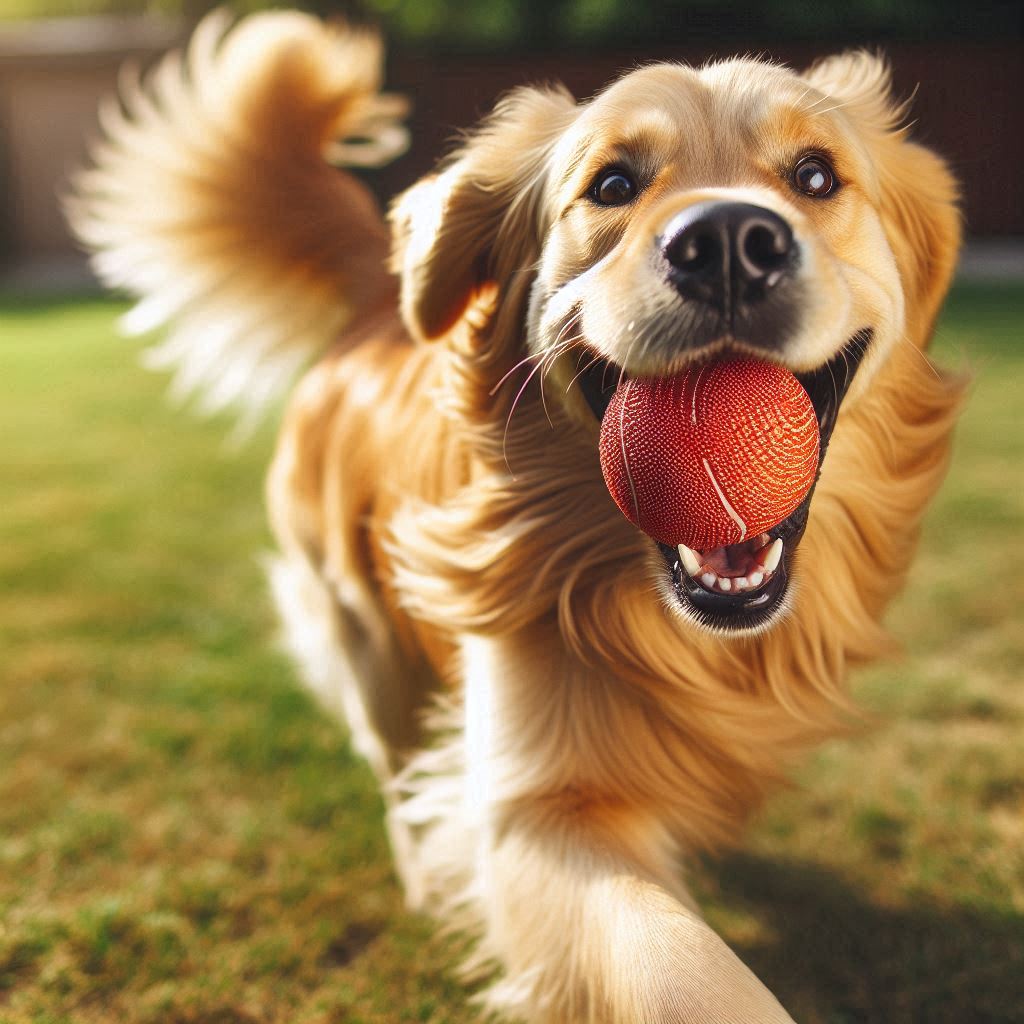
185 839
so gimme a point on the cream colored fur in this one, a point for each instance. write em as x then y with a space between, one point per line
552 737
213 200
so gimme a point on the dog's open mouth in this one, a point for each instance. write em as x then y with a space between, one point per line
741 587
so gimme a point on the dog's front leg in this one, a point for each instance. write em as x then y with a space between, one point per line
586 934
579 894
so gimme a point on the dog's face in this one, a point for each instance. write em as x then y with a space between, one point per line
684 215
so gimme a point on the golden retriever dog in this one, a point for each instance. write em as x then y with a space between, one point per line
560 710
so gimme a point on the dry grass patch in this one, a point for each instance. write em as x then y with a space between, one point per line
185 839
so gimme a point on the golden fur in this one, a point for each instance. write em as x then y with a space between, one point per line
445 546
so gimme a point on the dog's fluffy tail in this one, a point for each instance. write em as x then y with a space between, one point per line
212 198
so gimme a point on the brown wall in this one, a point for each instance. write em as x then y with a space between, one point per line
53 76
968 107
44 119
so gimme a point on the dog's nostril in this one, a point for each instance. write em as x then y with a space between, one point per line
696 250
763 247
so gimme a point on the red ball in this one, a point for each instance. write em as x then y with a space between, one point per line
712 456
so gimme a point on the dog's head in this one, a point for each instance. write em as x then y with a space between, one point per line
682 215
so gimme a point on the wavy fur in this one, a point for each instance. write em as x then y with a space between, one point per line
552 736
211 197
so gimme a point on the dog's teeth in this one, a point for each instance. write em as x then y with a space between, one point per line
690 561
767 562
771 560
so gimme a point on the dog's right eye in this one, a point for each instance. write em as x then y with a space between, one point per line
613 188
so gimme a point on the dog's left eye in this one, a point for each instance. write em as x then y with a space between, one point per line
613 188
814 176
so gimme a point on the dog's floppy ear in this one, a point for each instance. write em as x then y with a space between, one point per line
918 193
480 217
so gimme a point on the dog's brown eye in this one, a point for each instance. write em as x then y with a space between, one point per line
814 177
613 188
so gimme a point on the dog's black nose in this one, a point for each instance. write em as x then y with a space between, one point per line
727 254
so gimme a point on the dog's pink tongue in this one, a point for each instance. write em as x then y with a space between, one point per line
734 559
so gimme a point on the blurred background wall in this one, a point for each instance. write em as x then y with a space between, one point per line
965 62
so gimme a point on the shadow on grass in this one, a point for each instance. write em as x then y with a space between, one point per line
836 958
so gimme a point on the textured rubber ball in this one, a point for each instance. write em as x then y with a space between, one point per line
712 456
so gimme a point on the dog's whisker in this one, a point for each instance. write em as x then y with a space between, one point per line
547 356
577 376
547 366
542 355
829 110
569 345
569 324
625 363
921 355
809 108
511 412
522 362
799 99
835 385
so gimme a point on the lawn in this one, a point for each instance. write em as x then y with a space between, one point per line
185 839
